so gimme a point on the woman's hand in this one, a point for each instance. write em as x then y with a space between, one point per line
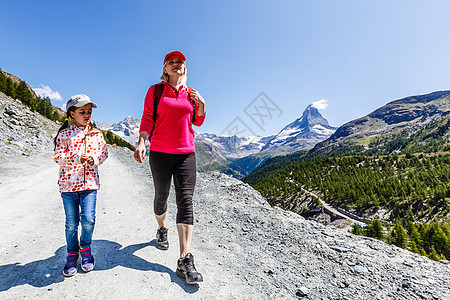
195 96
139 153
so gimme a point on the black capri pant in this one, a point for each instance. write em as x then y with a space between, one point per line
183 169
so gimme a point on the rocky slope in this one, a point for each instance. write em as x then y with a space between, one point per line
23 132
245 248
399 119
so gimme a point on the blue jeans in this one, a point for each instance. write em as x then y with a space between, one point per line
79 207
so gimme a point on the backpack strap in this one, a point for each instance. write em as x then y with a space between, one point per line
193 103
157 92
159 88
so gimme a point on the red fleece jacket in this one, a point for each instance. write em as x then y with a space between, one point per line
173 131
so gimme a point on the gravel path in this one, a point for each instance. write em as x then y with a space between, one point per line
128 265
244 248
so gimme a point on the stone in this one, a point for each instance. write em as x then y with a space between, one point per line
340 249
302 292
361 269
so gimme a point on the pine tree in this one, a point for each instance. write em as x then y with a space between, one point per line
413 247
10 89
398 236
357 229
377 229
2 82
433 254
21 93
423 252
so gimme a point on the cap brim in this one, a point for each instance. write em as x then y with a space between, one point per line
174 54
83 103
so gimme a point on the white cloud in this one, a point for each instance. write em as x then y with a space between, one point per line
320 104
46 91
63 107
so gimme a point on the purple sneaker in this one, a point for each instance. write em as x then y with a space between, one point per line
70 268
87 260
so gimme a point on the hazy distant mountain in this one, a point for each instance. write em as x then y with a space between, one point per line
417 124
102 125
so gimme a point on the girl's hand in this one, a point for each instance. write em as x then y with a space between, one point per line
84 158
139 153
90 161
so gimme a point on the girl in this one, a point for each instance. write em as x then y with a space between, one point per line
79 150
170 110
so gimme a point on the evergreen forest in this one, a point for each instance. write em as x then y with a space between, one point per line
427 239
414 187
43 106
21 92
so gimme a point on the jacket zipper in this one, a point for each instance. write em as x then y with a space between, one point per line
85 163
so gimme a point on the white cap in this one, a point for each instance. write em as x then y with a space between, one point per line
79 101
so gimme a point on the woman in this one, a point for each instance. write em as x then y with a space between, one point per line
169 112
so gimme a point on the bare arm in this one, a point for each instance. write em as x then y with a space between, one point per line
139 153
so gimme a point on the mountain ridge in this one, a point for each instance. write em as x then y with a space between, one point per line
397 119
238 156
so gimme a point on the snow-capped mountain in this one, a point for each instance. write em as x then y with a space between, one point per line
227 146
241 155
305 132
233 146
128 129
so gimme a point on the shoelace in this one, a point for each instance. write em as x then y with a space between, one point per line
162 236
190 266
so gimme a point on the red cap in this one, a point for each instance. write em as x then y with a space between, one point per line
174 53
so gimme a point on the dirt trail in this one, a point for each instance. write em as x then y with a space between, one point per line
128 266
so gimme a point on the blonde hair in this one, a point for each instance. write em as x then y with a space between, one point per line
183 77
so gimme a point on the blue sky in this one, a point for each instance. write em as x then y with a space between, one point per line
356 55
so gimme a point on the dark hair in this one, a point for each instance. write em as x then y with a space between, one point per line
65 124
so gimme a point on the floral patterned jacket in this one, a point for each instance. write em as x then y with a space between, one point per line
71 143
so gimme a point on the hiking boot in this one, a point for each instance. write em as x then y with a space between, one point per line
70 268
186 270
87 260
161 235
